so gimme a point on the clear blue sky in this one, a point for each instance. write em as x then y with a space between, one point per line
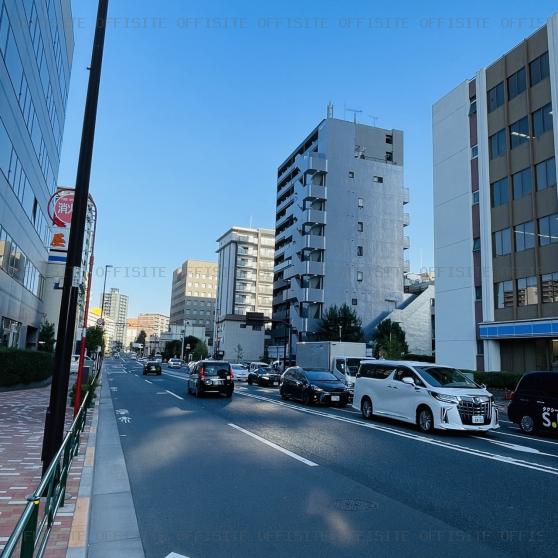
200 101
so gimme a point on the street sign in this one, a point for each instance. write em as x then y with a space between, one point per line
100 322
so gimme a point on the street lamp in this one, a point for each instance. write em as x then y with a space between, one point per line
186 322
104 287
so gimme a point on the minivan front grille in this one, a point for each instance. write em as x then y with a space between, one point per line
468 408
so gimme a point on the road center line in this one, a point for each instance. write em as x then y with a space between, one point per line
174 395
274 446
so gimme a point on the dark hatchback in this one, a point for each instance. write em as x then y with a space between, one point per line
313 386
264 376
534 403
211 376
151 367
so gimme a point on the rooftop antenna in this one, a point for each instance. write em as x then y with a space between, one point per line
374 119
354 111
330 110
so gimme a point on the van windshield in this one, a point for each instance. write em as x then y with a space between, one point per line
441 376
352 366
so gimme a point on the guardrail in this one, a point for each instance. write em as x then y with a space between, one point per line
31 533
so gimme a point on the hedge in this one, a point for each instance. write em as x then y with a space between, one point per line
497 379
24 366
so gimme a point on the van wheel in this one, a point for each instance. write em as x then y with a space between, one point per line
306 398
366 408
282 394
527 424
425 420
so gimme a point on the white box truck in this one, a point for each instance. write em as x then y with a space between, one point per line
339 357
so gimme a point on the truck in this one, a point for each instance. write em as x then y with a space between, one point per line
340 357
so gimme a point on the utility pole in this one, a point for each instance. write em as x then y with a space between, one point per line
56 412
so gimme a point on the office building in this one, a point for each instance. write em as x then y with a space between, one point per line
245 284
194 290
339 230
496 212
36 49
115 305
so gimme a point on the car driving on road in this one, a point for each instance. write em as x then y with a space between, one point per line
534 403
427 395
264 376
211 376
151 367
313 386
175 363
240 372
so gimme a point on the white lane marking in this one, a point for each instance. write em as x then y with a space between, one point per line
175 555
125 419
419 438
516 447
148 381
528 438
175 376
275 446
174 394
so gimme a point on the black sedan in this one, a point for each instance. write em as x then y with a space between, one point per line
264 376
151 367
313 386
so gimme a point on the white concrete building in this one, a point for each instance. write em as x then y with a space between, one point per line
115 305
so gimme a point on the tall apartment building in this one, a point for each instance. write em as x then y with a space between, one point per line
339 230
194 290
496 212
152 323
36 49
245 284
115 305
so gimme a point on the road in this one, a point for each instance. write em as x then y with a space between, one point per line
254 476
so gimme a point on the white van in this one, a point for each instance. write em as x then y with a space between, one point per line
424 394
255 365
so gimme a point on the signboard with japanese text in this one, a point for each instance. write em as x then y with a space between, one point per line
60 210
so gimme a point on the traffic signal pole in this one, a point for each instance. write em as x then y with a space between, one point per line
56 412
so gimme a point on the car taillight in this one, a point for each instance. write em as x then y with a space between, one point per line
231 372
202 373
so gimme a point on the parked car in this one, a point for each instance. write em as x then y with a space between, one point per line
152 367
264 376
240 372
313 386
534 403
427 395
253 366
74 364
211 376
175 363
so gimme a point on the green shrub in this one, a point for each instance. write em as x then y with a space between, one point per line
89 386
24 366
497 379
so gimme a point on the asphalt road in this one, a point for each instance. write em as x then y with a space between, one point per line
254 476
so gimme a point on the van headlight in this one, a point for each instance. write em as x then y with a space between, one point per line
445 398
316 388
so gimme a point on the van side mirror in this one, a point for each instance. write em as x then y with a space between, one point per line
408 380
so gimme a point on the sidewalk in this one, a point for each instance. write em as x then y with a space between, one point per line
22 415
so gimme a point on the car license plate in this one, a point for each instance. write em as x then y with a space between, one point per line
335 398
478 419
228 377
275 383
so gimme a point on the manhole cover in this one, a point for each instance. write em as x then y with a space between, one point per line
355 505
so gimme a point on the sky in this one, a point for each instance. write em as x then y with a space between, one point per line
201 101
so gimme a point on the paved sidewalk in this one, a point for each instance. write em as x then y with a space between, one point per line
22 415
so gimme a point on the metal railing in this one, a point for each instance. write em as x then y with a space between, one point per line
31 533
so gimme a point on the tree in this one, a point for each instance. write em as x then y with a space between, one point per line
142 336
200 351
94 337
192 342
389 340
340 324
173 348
46 337
239 352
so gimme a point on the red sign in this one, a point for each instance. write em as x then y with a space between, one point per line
62 211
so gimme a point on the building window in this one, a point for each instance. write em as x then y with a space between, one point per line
495 97
360 251
475 197
473 107
474 151
476 244
389 138
360 276
539 69
351 174
360 202
527 291
524 236
499 192
360 226
519 132
542 120
548 229
502 242
354 301
546 174
516 84
389 156
480 347
521 183
379 179
478 293
503 294
549 287
497 144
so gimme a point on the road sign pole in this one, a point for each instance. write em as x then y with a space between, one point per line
56 412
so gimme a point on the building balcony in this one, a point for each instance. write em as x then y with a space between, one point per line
310 242
310 268
310 192
279 299
406 266
313 217
246 289
406 242
312 295
285 203
285 234
406 219
281 266
282 220
312 163
406 195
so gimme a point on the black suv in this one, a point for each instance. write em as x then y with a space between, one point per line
264 376
534 403
151 367
313 386
211 376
